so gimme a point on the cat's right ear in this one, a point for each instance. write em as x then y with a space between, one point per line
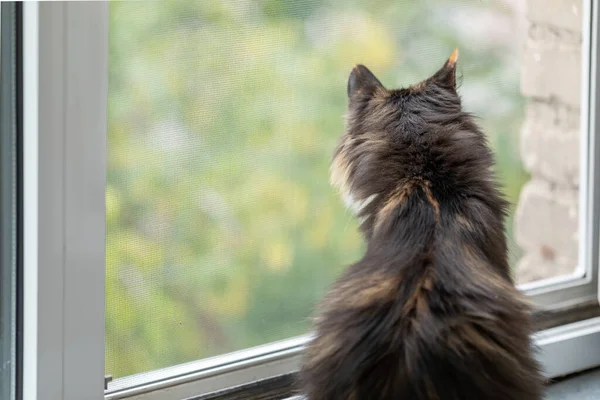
361 79
446 76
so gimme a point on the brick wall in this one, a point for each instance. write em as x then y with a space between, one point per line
546 223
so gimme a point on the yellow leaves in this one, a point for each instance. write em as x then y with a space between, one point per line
278 254
321 230
297 205
262 102
359 38
283 200
131 248
233 301
175 82
305 138
350 237
262 42
113 205
372 47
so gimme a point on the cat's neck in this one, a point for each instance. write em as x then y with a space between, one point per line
407 216
416 217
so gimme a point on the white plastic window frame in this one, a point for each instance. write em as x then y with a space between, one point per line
65 81
581 286
65 73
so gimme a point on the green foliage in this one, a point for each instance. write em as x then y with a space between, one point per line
222 230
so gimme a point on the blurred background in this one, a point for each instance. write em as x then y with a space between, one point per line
222 229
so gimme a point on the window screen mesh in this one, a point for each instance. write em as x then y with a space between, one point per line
222 229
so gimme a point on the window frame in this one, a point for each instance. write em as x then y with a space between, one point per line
65 81
65 72
581 286
10 220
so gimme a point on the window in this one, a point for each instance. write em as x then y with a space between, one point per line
64 134
9 199
175 170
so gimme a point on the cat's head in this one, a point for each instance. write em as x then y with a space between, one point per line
418 133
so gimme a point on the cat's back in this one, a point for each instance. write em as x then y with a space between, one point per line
430 312
432 321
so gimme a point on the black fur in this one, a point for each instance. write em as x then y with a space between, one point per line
431 311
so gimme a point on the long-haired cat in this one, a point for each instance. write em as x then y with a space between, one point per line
430 311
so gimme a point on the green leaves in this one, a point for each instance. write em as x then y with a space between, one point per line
222 229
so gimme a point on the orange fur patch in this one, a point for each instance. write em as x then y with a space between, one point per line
418 301
464 222
365 291
432 200
453 57
323 347
397 197
351 294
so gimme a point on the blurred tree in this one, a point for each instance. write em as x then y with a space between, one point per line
222 230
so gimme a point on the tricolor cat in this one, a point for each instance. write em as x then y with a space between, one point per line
431 311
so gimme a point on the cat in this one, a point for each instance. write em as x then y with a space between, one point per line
431 311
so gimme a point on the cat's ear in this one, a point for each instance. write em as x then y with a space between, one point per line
362 79
446 76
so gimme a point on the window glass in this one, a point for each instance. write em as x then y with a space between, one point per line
222 229
8 214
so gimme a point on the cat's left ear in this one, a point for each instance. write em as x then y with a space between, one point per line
361 78
446 76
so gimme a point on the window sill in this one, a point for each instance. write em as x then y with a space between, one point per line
582 386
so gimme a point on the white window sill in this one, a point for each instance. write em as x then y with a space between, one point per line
585 386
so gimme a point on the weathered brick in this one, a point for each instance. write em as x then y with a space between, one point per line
566 14
546 221
534 266
550 142
551 72
544 35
